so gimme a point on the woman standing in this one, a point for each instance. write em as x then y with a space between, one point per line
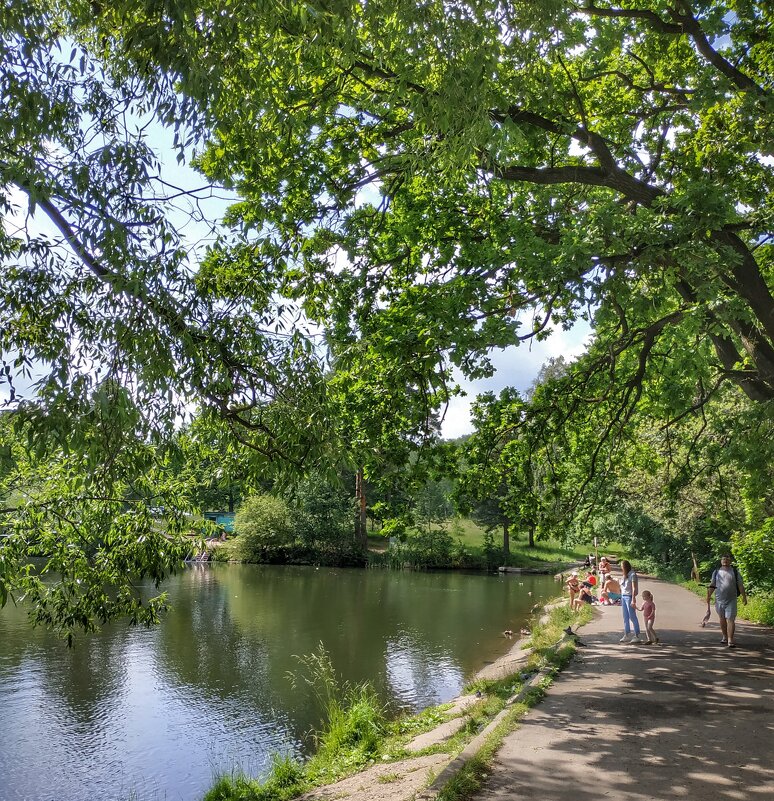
629 588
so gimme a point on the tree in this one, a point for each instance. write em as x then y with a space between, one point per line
425 181
323 519
514 168
509 468
558 158
264 529
89 519
108 335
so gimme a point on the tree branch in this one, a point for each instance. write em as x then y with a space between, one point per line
655 22
691 26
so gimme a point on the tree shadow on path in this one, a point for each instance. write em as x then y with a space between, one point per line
687 718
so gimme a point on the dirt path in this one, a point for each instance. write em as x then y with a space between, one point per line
686 719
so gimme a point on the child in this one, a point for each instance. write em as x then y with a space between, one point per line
648 610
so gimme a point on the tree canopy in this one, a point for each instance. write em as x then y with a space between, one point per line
424 182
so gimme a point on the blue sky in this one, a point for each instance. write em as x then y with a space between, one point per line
515 367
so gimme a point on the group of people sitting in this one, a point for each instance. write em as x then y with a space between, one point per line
581 590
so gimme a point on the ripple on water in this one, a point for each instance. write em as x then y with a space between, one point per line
419 677
155 715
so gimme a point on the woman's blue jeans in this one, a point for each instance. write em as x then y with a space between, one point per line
629 616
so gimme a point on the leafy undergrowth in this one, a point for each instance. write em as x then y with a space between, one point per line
759 609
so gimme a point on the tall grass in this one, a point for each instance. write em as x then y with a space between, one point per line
353 723
351 730
286 780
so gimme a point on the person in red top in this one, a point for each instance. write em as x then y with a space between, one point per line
590 580
648 610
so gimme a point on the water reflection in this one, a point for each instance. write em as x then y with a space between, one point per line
154 714
408 676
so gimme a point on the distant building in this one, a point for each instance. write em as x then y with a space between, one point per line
223 519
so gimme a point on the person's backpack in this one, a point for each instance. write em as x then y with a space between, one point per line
738 579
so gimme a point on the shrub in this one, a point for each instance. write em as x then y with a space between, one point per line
263 526
754 553
422 549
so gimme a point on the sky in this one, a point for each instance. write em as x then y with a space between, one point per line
514 367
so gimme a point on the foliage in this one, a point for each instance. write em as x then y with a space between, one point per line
354 721
265 530
213 465
323 521
754 552
285 780
760 609
420 183
424 548
98 549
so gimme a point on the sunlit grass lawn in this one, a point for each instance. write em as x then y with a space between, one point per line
544 553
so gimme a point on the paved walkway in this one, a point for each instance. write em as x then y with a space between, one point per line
686 719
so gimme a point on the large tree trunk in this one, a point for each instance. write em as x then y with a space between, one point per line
531 535
361 520
506 543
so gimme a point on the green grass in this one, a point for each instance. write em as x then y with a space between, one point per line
226 551
356 733
544 553
467 782
286 780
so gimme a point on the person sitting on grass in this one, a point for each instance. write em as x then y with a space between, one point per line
585 596
590 580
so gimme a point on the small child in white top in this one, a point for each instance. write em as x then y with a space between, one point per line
648 610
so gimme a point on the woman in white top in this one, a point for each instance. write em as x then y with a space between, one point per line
629 589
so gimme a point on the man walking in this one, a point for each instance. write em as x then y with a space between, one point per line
727 584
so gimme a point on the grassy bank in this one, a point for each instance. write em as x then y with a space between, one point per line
357 733
459 543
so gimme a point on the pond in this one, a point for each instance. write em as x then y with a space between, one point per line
154 715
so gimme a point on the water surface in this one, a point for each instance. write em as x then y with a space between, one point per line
154 715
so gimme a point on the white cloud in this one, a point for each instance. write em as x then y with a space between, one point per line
515 367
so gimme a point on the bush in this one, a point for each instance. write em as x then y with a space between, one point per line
323 519
421 549
264 528
754 553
